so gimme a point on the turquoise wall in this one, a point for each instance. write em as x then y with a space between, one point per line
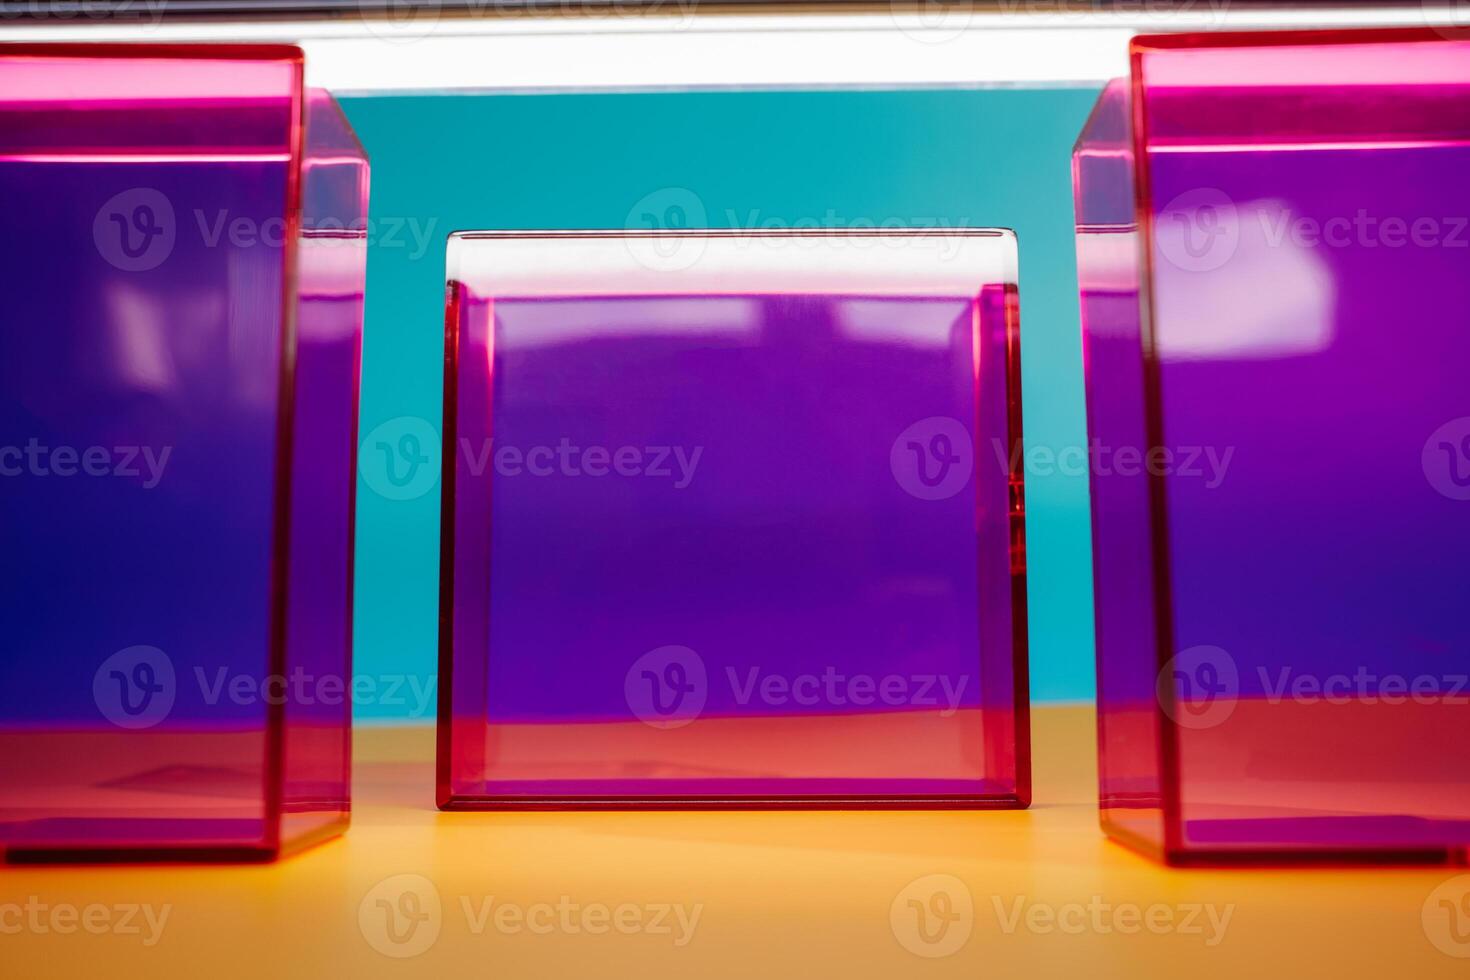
959 157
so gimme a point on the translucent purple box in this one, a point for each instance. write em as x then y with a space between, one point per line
733 520
179 359
1275 274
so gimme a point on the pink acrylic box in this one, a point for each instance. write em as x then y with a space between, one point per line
179 361
1274 295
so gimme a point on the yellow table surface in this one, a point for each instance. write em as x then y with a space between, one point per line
729 894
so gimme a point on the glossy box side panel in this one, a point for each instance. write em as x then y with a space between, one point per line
1131 789
464 551
330 276
1001 540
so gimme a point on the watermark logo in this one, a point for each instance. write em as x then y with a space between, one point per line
1199 230
669 209
567 459
932 21
385 232
135 230
399 21
834 689
1207 463
1199 687
399 459
144 921
667 688
144 464
1363 230
1207 922
1446 459
933 458
1363 686
939 234
675 920
135 687
401 916
1446 917
413 694
933 916
145 13
1448 18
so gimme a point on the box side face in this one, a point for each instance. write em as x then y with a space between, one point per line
1309 291
331 274
140 361
724 537
464 548
1129 752
1001 539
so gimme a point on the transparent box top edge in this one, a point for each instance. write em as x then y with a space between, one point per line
911 262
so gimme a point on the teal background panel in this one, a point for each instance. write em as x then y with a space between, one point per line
836 158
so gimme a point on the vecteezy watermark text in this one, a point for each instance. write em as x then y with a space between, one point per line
400 459
300 687
37 917
669 687
1207 463
403 916
1202 229
137 230
126 11
566 458
1363 686
1205 920
388 232
835 689
570 917
1364 230
127 462
1201 686
934 916
137 688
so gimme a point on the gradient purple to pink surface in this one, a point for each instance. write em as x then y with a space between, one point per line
184 303
1272 270
690 557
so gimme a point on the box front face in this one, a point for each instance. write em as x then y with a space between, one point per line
140 359
1310 289
732 520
